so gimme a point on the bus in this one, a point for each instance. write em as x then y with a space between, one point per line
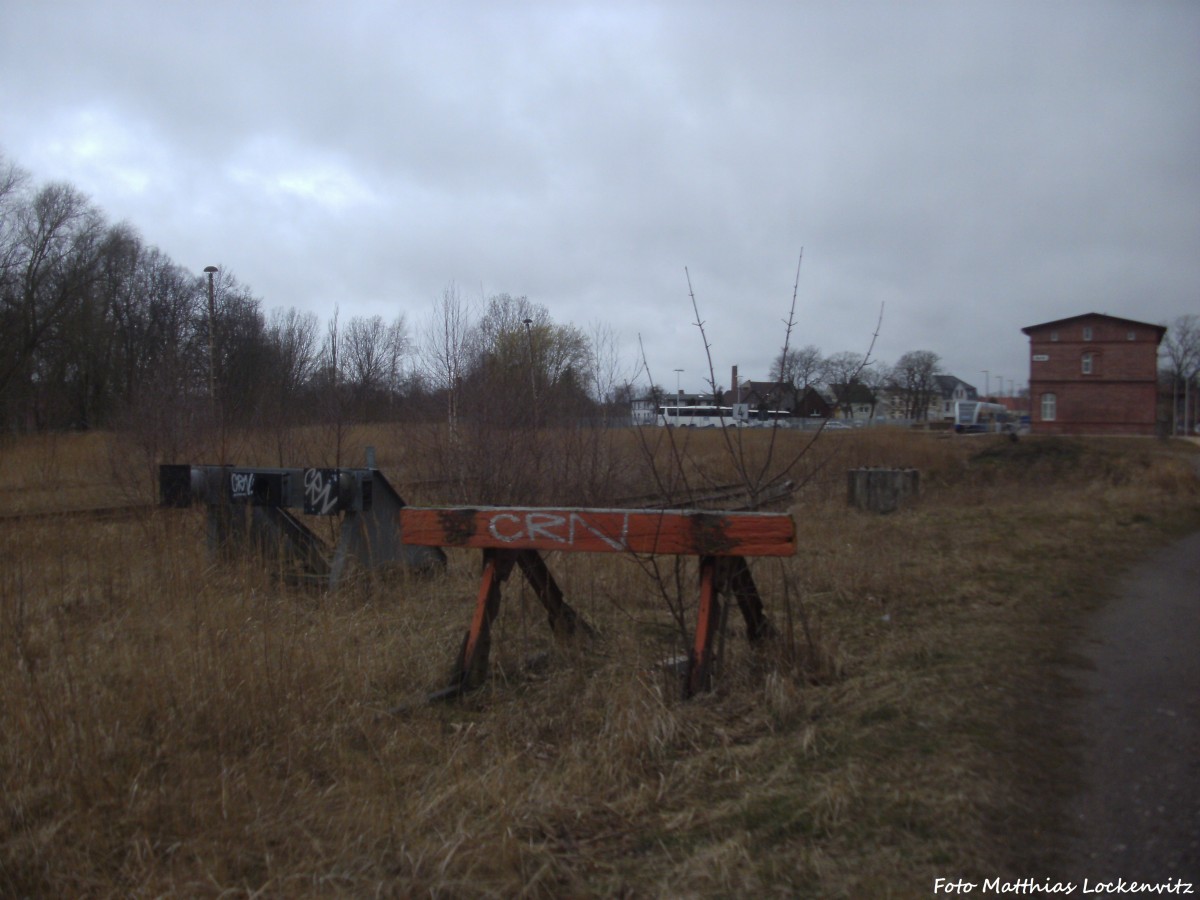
740 416
978 417
766 418
695 416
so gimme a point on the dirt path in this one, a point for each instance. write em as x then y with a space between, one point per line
1138 815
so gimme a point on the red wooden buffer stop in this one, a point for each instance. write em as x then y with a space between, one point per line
516 536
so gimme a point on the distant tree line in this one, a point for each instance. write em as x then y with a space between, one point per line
98 328
911 380
1179 374
852 378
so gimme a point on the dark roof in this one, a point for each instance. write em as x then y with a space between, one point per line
947 383
763 389
1161 329
855 392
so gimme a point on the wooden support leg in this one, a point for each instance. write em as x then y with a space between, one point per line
564 621
471 668
699 675
737 580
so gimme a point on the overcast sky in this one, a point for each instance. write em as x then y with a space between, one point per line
973 167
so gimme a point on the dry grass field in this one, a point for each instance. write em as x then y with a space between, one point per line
171 725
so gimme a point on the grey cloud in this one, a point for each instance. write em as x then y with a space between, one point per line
974 167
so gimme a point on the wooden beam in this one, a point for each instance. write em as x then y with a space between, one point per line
734 578
473 660
681 532
700 662
564 621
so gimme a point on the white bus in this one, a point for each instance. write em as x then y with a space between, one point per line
975 416
695 416
766 418
740 416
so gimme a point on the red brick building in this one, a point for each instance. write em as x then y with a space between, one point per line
1093 374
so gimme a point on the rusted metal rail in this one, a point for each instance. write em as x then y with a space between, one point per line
516 536
96 513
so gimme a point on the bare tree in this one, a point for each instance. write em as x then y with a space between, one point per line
162 363
878 379
243 356
159 322
292 343
292 336
503 316
12 196
328 385
370 360
562 358
96 327
51 264
609 386
844 371
913 380
1181 349
444 348
799 368
520 354
86 352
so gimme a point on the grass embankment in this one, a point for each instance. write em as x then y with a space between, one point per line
169 725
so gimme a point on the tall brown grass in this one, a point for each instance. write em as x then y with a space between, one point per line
171 726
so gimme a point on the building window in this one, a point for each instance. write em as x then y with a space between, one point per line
1087 332
1049 407
1131 336
1054 335
1086 365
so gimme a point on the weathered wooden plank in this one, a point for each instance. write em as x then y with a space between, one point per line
681 532
699 676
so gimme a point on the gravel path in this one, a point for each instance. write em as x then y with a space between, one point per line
1138 815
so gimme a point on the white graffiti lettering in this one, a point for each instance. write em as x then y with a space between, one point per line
241 484
539 525
494 530
535 525
616 543
320 496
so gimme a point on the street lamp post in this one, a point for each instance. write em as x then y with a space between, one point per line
212 327
678 396
528 323
987 383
